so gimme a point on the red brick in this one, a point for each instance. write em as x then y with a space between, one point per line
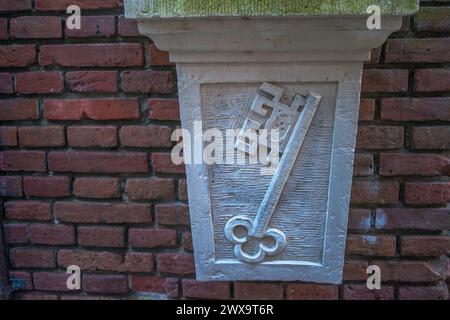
39 82
17 55
175 263
6 83
51 187
36 27
167 286
365 192
35 295
51 281
8 136
425 246
152 238
379 137
158 57
45 136
101 162
430 138
355 270
367 110
92 136
22 275
371 245
415 109
108 284
90 212
22 161
384 80
413 219
172 214
138 262
258 291
432 80
16 5
91 109
363 165
206 290
97 188
148 81
61 5
164 109
128 27
438 292
101 237
359 219
94 26
150 189
32 258
90 260
162 163
414 164
182 189
186 241
306 291
19 109
410 271
149 136
52 234
92 81
433 19
3 30
10 186
361 292
418 50
427 192
16 233
28 210
92 55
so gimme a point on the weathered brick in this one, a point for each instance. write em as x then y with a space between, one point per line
28 210
51 281
17 55
39 82
90 212
4 35
430 137
16 233
427 192
91 109
162 163
22 275
415 109
45 136
22 161
51 187
16 5
361 292
433 19
108 284
306 291
418 50
52 234
101 162
32 258
36 27
371 245
167 286
182 189
10 186
258 291
35 295
365 192
138 262
367 110
152 238
164 109
92 81
413 219
128 27
410 271
61 5
359 219
92 136
148 81
150 136
90 260
206 290
384 80
158 57
96 187
101 237
438 292
172 214
425 246
8 136
186 241
94 26
432 80
175 263
92 55
6 83
380 137
393 164
18 109
363 165
355 270
150 189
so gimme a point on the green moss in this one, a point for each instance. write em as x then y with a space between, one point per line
433 14
216 8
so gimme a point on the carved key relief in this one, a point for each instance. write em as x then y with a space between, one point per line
266 218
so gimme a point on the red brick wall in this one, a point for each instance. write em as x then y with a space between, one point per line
87 180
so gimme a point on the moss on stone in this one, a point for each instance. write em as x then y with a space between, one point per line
219 8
